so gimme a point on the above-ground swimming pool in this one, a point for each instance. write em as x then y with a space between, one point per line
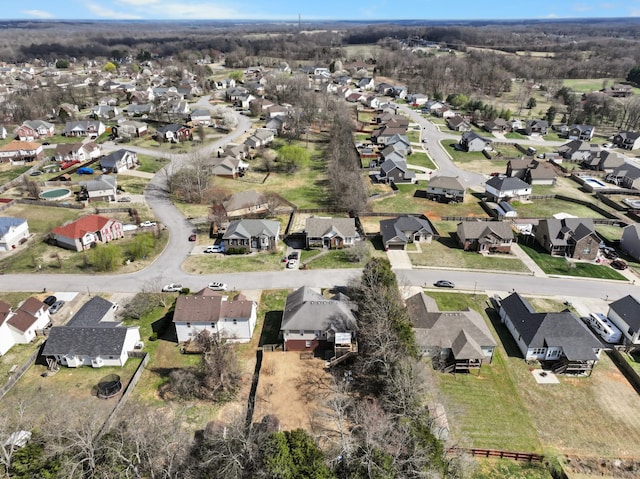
57 194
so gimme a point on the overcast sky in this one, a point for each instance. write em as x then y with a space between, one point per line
316 10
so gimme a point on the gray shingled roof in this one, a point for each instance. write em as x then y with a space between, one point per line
91 313
542 330
484 229
318 227
249 228
628 308
464 332
507 183
395 229
448 182
306 309
82 341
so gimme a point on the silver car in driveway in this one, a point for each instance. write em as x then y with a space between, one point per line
55 307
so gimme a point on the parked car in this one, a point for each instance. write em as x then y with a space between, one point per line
49 300
35 173
147 224
294 255
85 171
55 307
607 145
619 264
214 248
292 263
192 237
443 283
217 286
172 288
610 253
45 143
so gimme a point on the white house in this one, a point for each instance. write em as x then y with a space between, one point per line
13 231
92 337
629 241
19 326
625 314
233 320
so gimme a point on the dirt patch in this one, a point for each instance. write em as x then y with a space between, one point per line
292 389
592 467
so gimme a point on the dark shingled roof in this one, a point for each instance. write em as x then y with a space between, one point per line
306 309
541 330
91 313
628 308
65 340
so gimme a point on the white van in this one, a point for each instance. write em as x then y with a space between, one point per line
604 327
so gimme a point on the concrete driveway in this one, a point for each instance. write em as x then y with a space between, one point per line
399 259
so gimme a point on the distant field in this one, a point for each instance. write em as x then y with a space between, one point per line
586 85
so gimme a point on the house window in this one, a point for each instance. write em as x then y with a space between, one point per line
235 321
188 325
213 325
538 351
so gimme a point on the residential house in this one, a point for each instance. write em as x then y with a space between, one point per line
560 341
505 211
118 161
81 234
471 141
84 128
624 313
245 203
499 125
260 137
457 341
536 127
226 166
629 241
104 112
499 188
571 237
458 123
400 143
140 110
398 232
236 151
102 188
382 135
231 319
200 117
332 233
604 160
252 235
367 83
445 189
394 149
130 129
626 176
76 151
417 99
20 326
311 322
485 236
618 90
579 150
13 232
395 171
580 132
92 337
532 171
31 130
17 151
515 124
433 107
173 133
629 140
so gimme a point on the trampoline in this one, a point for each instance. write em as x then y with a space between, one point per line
109 386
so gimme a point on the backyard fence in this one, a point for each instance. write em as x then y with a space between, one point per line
18 373
514 456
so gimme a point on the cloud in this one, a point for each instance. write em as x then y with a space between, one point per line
581 7
195 11
100 11
37 13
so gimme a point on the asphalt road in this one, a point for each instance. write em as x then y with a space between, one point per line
167 267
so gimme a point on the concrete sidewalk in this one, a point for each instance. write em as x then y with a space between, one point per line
526 259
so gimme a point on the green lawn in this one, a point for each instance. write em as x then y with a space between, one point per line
8 173
206 264
334 259
420 159
508 469
132 184
447 253
486 410
559 266
270 308
547 208
151 164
